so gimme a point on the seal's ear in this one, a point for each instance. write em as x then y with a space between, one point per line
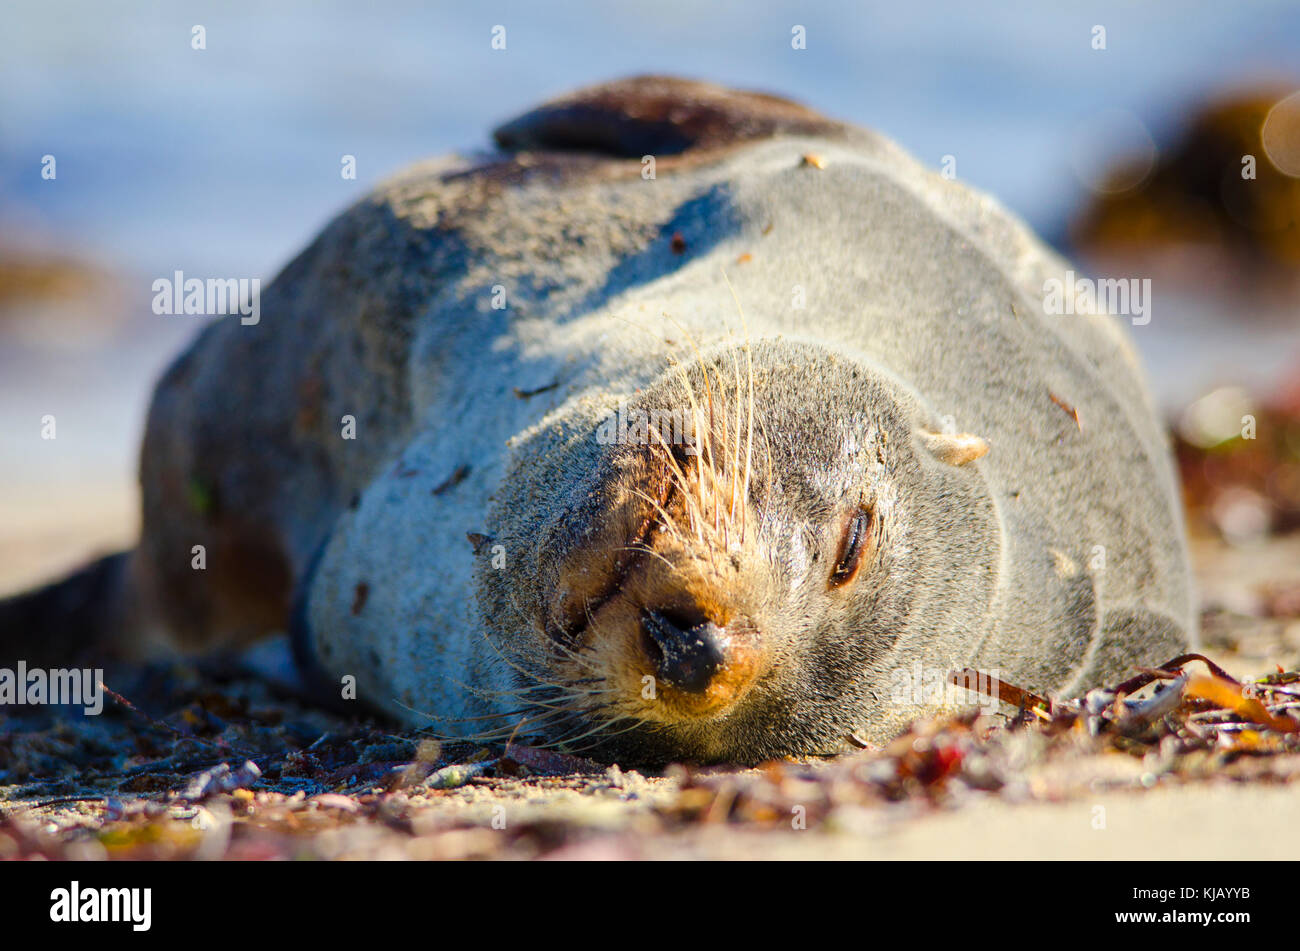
956 449
478 541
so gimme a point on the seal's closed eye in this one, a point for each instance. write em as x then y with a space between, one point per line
853 545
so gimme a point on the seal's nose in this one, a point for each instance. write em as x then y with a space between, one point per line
687 652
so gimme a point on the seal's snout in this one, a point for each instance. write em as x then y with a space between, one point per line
686 653
663 599
702 662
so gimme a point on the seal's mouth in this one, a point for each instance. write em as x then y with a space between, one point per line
577 604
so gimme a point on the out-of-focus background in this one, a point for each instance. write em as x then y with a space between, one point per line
224 161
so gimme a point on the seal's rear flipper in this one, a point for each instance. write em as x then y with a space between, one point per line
81 616
659 115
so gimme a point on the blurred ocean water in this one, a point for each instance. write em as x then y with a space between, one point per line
225 161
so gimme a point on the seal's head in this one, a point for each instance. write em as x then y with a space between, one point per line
726 568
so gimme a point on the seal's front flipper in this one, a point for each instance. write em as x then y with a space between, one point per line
387 615
1133 637
273 662
309 677
1128 638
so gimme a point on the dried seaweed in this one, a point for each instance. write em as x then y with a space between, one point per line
120 789
1180 702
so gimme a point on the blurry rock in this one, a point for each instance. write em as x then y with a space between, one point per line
1201 194
1241 515
1216 417
57 301
27 277
1240 464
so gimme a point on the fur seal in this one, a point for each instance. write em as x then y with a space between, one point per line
741 409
